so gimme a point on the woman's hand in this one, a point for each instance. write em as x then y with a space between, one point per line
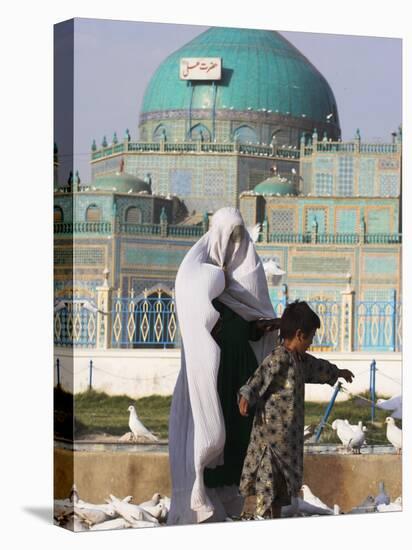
346 374
243 406
267 325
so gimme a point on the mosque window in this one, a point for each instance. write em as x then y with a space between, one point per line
58 214
282 221
93 213
345 177
160 133
200 131
324 184
367 177
389 185
245 134
214 183
133 215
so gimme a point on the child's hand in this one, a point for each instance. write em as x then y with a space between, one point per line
243 406
346 374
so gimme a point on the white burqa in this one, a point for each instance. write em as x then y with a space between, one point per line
196 425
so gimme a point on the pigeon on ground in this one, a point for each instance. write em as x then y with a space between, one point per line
367 506
393 434
152 502
358 439
130 512
382 497
391 507
118 523
91 516
309 497
343 430
394 404
137 427
301 507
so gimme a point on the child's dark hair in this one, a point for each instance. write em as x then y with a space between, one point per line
298 315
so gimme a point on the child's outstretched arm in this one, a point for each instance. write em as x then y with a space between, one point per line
320 371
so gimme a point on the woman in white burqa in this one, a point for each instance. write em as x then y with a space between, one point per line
222 344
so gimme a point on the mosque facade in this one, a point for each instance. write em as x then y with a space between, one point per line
260 133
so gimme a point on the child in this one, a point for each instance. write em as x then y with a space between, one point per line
273 467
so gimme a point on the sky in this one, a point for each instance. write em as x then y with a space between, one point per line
114 61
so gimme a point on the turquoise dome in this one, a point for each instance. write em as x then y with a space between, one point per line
261 70
275 185
121 183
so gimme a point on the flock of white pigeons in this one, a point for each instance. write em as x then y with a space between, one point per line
352 436
77 515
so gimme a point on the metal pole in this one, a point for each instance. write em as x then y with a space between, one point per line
373 388
322 423
90 374
58 372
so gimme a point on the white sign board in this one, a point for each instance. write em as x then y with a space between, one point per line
200 68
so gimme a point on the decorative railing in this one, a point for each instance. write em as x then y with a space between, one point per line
335 146
383 238
136 147
83 227
335 238
197 147
148 321
378 147
75 323
378 325
289 238
185 230
255 149
140 228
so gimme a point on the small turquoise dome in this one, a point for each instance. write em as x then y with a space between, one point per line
276 185
121 183
261 71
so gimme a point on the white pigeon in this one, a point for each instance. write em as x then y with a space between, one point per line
309 497
152 502
300 507
391 507
118 523
393 434
157 511
131 512
358 439
343 430
382 497
394 404
91 516
137 427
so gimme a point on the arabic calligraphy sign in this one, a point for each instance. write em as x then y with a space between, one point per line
200 68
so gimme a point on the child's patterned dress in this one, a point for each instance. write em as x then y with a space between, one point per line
273 467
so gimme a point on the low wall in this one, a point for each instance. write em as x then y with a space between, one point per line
139 373
349 479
